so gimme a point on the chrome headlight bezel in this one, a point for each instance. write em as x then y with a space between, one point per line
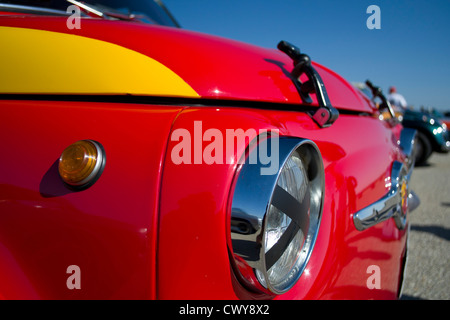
252 201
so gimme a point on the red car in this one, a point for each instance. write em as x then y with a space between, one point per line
142 161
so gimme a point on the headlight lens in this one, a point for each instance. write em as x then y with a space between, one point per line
284 212
293 180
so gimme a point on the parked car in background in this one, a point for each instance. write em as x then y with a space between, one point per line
437 114
143 161
432 131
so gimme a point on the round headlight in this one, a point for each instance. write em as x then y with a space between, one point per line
281 213
81 164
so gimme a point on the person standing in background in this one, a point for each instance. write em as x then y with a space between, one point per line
396 100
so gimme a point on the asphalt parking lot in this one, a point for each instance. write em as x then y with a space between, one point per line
428 269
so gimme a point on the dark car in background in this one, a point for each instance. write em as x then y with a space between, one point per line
432 132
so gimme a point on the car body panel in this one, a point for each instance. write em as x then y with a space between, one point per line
214 67
344 254
109 229
153 229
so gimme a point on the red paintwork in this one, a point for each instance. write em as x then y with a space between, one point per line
342 255
214 67
108 231
150 229
6 13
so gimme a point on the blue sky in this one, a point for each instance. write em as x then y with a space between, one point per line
411 50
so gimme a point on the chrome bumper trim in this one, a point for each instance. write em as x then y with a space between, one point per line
390 206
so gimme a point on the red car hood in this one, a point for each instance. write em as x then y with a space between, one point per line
207 66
